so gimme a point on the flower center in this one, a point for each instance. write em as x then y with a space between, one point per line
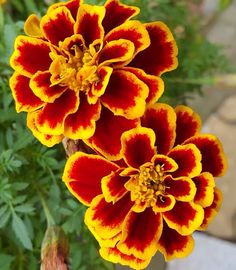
74 68
148 185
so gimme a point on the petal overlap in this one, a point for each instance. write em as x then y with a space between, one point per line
86 184
136 241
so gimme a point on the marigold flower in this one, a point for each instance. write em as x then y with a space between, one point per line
79 59
159 192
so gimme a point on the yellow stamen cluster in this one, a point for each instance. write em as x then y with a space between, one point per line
75 68
148 185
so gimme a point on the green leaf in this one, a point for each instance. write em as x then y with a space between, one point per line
5 261
4 219
19 229
26 208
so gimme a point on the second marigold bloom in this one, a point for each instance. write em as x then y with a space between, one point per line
79 59
159 192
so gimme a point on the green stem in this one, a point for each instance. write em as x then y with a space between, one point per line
47 212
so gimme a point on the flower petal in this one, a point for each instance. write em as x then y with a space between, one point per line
161 118
82 123
188 123
137 241
107 218
160 56
89 23
113 186
133 31
188 158
51 118
83 174
57 25
115 256
40 85
24 97
116 51
166 163
138 146
110 124
163 203
174 245
154 83
30 55
213 157
182 188
32 26
48 140
131 103
205 189
185 217
211 211
117 13
98 88
72 5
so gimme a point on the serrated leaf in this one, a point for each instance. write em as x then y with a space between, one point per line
19 229
3 209
25 208
19 186
19 199
4 219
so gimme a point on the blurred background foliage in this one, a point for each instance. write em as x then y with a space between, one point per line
31 190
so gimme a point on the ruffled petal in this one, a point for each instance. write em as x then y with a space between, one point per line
45 139
24 97
83 174
154 83
110 124
213 156
113 186
72 5
32 26
115 256
182 188
107 218
161 55
174 245
57 25
98 88
162 119
30 55
163 203
211 211
116 51
89 23
205 189
41 86
138 146
117 13
185 217
133 31
51 118
188 123
188 158
131 103
82 123
166 163
137 241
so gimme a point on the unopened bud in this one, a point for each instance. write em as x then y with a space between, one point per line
54 250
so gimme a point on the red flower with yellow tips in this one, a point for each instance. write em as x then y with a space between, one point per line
80 59
159 192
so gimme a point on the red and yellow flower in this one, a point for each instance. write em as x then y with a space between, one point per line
159 192
79 60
